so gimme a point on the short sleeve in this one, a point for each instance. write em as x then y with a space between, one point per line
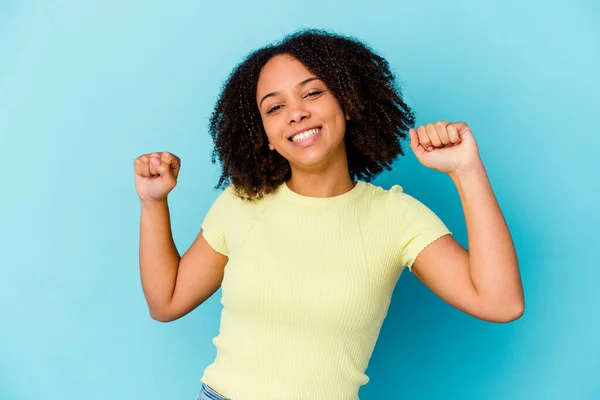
418 226
216 220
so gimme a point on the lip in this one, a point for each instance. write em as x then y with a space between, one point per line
308 142
300 130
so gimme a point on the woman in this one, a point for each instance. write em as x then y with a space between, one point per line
312 249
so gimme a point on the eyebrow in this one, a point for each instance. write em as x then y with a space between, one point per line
304 82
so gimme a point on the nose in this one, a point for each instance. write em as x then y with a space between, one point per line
297 112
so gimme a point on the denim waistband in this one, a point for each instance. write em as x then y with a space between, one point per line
208 393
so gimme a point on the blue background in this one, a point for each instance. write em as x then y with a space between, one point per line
86 87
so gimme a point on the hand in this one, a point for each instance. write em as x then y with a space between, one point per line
446 147
156 175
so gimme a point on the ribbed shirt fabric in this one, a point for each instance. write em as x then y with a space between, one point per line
307 287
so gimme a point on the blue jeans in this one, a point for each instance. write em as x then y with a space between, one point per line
208 393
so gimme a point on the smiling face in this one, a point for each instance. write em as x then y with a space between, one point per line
303 120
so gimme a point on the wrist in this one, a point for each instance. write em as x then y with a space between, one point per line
466 172
152 204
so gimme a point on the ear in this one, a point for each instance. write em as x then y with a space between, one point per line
347 117
271 147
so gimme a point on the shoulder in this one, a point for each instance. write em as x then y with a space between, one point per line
230 202
378 195
230 197
395 202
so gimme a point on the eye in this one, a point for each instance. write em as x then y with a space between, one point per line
314 93
273 109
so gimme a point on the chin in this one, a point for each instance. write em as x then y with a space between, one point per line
309 162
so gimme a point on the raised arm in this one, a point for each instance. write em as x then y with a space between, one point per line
485 281
173 285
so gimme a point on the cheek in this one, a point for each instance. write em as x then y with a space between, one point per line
334 109
272 132
341 129
269 131
339 119
266 126
275 127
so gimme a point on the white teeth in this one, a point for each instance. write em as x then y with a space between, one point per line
305 134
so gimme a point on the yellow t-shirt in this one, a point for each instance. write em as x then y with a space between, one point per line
307 287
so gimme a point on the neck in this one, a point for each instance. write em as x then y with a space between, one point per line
323 184
328 179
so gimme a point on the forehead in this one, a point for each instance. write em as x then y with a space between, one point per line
280 73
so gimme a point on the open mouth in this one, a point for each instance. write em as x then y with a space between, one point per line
305 135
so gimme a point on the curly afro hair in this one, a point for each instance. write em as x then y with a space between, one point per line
360 80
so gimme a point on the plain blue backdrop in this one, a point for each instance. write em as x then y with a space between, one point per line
86 87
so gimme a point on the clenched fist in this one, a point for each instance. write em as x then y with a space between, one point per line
156 175
446 147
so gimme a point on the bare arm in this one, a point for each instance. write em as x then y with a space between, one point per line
159 259
174 285
485 281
